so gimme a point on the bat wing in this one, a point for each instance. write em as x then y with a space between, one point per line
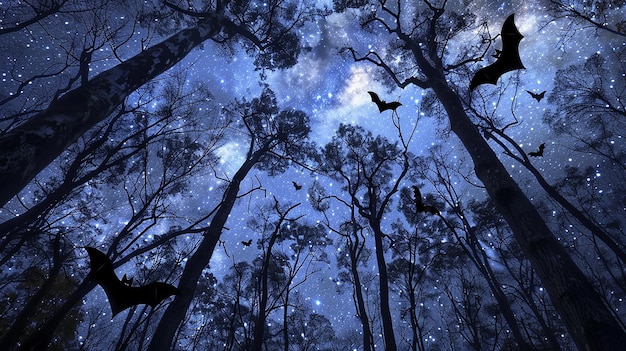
537 97
375 97
101 267
509 59
376 100
391 105
102 273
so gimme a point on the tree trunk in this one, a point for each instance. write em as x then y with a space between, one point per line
360 301
31 146
473 249
285 323
585 220
259 325
383 282
588 320
174 314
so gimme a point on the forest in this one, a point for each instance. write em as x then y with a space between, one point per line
418 175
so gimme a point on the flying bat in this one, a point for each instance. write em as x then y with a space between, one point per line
296 185
538 152
507 59
382 104
246 243
127 281
419 204
537 97
120 294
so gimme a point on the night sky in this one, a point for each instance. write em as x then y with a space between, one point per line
330 87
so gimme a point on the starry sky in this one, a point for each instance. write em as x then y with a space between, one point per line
326 84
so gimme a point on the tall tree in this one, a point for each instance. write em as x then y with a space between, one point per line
422 37
444 176
353 255
269 266
30 147
370 169
151 169
274 135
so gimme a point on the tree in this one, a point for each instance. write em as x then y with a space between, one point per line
149 168
468 229
311 331
270 266
31 146
370 169
409 271
233 310
106 157
276 270
273 135
422 38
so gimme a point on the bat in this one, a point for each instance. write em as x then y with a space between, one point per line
296 185
507 59
120 294
127 281
538 152
246 243
419 204
382 104
537 97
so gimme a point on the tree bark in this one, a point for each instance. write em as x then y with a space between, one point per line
31 146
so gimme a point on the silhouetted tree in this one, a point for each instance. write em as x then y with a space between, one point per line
423 39
271 264
353 255
37 286
31 146
310 330
370 170
273 135
151 168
